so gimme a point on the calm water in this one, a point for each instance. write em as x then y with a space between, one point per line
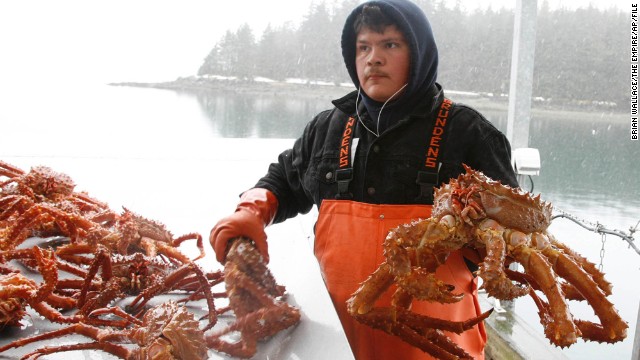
589 166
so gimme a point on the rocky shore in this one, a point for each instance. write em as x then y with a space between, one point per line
198 84
298 88
330 91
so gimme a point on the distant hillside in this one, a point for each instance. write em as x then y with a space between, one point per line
574 65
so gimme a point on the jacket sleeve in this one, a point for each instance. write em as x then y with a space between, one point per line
476 142
285 177
492 156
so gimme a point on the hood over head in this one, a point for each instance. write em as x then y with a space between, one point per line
415 26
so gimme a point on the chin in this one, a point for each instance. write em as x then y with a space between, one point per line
380 98
377 95
380 94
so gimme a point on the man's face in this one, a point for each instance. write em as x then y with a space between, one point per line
382 62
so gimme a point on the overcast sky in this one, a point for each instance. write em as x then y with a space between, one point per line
142 40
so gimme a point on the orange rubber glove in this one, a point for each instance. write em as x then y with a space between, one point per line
256 210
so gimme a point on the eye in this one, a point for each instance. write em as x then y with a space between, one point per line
392 45
363 48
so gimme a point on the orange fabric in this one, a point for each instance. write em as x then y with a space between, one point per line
256 209
348 246
261 202
241 223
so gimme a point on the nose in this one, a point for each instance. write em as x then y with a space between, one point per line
375 57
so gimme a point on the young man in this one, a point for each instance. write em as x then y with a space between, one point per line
371 163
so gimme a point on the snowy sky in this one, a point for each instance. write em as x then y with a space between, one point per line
143 40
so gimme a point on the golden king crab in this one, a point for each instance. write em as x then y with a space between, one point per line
502 225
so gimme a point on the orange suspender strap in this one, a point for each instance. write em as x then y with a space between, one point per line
428 179
344 174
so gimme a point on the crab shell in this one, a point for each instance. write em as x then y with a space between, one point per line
171 332
49 183
511 207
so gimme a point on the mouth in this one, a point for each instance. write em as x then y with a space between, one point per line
376 75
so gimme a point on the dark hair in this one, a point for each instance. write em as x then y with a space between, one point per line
373 18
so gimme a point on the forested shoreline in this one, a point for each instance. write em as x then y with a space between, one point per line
581 56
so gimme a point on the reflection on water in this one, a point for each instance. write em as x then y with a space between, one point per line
264 116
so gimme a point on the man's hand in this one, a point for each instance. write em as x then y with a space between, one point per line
256 210
241 223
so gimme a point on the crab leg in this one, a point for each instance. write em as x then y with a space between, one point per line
71 253
169 281
588 266
596 332
12 204
9 170
101 259
370 290
419 330
434 342
565 267
421 322
491 270
191 236
114 349
561 331
241 349
82 329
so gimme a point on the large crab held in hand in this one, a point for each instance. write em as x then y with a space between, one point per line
501 225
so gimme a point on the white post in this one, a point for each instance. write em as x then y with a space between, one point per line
521 83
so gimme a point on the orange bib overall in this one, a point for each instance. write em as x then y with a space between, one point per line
348 246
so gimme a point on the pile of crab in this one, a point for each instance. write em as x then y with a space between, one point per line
96 272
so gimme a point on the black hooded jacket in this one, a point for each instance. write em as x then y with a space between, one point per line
416 29
385 168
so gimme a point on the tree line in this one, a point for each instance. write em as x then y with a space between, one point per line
581 55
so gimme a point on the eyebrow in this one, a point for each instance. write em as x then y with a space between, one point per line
384 40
